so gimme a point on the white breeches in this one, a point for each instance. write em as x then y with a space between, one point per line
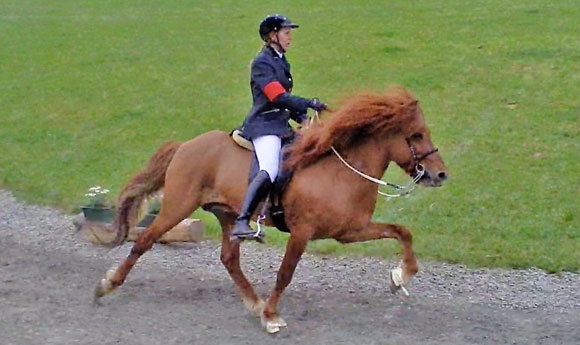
268 149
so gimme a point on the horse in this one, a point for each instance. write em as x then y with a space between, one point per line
335 163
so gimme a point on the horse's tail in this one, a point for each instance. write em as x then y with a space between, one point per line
139 187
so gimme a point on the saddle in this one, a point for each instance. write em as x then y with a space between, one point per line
275 209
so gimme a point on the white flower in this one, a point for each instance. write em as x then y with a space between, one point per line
96 196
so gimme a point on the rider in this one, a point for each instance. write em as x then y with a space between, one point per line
268 120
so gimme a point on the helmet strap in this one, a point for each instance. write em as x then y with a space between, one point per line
277 43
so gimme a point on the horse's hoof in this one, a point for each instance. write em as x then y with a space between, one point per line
274 324
393 287
397 282
104 287
98 294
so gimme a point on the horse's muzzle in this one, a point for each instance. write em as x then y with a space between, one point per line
433 178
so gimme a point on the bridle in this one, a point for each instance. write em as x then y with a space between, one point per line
417 174
418 159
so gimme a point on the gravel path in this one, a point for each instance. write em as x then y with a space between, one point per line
180 294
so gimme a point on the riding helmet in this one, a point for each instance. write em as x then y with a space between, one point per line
274 22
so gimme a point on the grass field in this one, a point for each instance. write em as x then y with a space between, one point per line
89 89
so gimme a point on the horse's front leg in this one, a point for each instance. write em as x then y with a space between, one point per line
295 247
399 276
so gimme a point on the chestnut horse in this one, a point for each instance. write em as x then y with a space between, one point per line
367 132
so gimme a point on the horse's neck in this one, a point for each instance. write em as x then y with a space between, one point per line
368 156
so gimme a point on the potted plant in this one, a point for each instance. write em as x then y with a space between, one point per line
98 208
153 208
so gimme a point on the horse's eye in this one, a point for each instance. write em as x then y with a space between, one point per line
416 136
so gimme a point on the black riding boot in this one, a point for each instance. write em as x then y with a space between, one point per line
258 189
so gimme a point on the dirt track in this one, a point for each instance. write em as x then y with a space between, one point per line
179 294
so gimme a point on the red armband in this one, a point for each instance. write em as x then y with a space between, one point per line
273 90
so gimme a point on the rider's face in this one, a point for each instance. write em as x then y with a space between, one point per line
283 37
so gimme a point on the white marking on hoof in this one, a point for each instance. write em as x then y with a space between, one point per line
274 325
398 281
110 273
272 328
106 286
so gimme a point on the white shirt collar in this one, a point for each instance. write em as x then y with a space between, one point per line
280 55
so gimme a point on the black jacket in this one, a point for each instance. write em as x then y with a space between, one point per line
273 105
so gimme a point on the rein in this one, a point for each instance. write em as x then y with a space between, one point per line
407 188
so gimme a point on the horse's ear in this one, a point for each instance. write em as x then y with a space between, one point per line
413 105
407 104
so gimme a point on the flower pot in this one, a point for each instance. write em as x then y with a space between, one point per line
98 214
145 222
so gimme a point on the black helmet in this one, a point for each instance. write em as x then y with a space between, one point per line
274 22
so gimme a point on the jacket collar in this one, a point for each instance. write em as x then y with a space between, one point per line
277 57
275 53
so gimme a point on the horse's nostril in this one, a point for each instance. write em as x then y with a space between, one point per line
442 175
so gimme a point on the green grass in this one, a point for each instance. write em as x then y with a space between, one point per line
89 89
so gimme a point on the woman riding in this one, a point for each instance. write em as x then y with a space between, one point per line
267 123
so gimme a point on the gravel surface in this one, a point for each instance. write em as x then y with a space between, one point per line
181 294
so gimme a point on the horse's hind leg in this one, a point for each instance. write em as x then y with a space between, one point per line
230 257
172 212
374 231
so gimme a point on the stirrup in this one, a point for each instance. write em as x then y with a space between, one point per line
257 236
250 234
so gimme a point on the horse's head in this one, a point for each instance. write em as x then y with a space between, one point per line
413 150
393 121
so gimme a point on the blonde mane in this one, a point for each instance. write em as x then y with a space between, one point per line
359 116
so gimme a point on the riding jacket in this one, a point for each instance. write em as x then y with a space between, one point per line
273 105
